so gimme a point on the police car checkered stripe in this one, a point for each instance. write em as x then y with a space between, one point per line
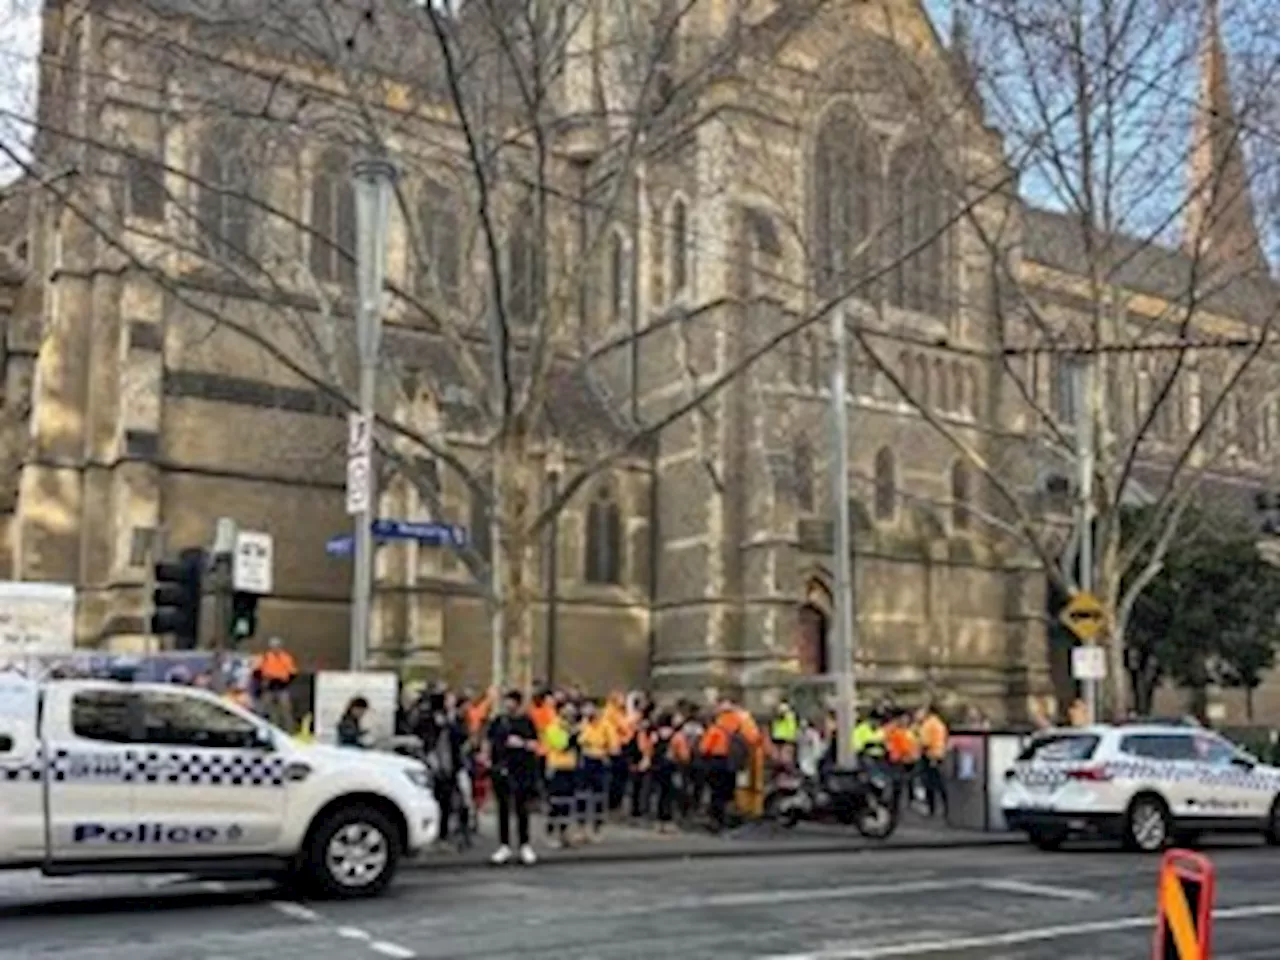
1172 772
1154 771
160 767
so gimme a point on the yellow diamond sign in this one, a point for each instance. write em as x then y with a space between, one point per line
1084 616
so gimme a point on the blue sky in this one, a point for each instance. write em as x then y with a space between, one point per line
19 39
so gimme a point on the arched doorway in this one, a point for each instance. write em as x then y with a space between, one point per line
811 640
813 616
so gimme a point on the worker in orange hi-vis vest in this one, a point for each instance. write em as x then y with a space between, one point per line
275 671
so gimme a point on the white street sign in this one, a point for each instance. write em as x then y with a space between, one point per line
251 566
359 436
1088 663
358 469
359 463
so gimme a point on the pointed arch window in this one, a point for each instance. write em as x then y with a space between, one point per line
886 485
604 540
916 229
439 253
524 287
802 463
481 532
907 372
678 227
224 204
922 377
846 187
815 361
619 278
961 495
333 221
959 378
941 386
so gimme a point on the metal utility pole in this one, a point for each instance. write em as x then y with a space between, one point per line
1085 459
842 639
372 181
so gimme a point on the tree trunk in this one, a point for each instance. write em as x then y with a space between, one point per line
515 498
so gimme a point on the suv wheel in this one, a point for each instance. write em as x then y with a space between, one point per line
1147 825
1273 824
352 853
1047 839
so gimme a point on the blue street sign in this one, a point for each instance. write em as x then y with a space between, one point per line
428 532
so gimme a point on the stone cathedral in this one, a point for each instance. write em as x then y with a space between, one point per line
132 419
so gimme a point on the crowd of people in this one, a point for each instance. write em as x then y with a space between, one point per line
585 761
582 760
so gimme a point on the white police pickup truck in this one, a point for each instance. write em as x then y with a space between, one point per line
109 777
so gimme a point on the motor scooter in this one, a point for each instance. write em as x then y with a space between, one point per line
860 796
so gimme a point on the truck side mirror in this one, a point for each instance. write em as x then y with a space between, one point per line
6 743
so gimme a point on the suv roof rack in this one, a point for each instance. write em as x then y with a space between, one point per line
1183 721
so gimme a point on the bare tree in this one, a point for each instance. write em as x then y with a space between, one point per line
1133 316
205 148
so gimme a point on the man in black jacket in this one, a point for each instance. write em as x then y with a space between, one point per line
513 763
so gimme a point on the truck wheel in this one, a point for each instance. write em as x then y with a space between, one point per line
352 853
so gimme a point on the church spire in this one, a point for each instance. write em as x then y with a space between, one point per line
1220 215
962 59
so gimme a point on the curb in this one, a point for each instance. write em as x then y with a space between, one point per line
732 850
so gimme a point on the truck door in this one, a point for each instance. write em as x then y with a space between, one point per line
91 762
22 838
210 787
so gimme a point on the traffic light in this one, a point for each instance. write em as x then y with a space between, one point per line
177 598
244 615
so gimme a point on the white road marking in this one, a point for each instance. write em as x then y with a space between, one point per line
766 897
1039 890
214 886
392 950
385 947
923 948
295 910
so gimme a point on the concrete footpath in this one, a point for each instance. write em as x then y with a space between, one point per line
630 840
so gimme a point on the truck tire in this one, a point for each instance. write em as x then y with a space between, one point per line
352 853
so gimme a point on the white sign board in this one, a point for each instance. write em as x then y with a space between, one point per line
251 566
336 688
1088 663
35 619
359 462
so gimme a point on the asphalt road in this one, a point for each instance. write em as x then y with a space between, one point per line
993 904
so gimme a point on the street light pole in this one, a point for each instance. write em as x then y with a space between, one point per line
1085 458
841 641
372 181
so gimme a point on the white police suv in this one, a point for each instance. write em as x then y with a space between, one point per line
1142 785
106 777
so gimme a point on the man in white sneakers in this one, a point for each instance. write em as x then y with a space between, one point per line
513 763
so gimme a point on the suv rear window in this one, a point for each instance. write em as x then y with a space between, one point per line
1060 747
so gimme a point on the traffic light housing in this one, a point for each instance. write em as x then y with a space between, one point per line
176 598
244 615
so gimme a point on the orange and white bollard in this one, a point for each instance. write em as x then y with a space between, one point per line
1184 899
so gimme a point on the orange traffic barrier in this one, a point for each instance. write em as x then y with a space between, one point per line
1184 898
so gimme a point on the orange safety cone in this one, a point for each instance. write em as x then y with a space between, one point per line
1184 903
